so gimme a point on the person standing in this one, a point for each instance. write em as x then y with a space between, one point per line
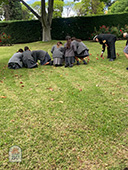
15 62
125 35
58 54
69 52
107 40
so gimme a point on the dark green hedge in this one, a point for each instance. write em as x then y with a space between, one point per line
81 27
22 31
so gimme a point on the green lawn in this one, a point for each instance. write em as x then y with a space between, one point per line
65 118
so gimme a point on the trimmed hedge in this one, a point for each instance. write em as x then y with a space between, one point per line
22 31
80 27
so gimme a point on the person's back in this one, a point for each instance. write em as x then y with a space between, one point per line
38 55
16 58
15 61
108 37
69 52
28 59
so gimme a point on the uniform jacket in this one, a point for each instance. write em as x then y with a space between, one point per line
28 60
127 40
57 52
38 55
80 46
106 39
16 58
69 52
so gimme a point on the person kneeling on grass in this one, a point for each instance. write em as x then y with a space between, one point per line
81 50
15 62
43 56
58 54
27 59
125 35
69 52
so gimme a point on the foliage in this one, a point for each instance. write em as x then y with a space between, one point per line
80 27
69 7
108 30
26 14
87 7
119 6
58 8
5 39
11 10
81 124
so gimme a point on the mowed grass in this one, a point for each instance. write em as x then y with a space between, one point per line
65 118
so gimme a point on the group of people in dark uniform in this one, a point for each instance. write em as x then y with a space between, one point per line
73 49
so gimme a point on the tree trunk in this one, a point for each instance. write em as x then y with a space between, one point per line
45 18
46 33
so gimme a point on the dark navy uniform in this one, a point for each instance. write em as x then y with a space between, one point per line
109 40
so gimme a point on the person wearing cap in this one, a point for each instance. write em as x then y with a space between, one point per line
109 41
125 35
69 52
15 62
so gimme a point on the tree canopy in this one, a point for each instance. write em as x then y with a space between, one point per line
119 6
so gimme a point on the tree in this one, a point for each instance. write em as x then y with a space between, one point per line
79 9
69 6
57 8
119 6
12 10
26 14
89 7
45 18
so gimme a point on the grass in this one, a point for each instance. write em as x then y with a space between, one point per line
65 118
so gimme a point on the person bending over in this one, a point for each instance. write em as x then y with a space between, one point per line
107 40
15 62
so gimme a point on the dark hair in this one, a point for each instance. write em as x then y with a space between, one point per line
61 43
74 38
26 48
67 37
20 50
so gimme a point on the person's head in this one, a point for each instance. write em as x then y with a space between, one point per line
20 50
74 38
96 38
67 38
59 43
26 48
124 34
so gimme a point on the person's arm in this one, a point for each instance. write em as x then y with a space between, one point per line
52 49
103 50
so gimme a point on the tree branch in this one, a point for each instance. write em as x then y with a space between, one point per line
34 12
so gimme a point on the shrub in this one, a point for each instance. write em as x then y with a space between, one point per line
108 30
5 39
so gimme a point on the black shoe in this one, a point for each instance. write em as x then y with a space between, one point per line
111 59
84 62
66 65
78 63
127 68
71 65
